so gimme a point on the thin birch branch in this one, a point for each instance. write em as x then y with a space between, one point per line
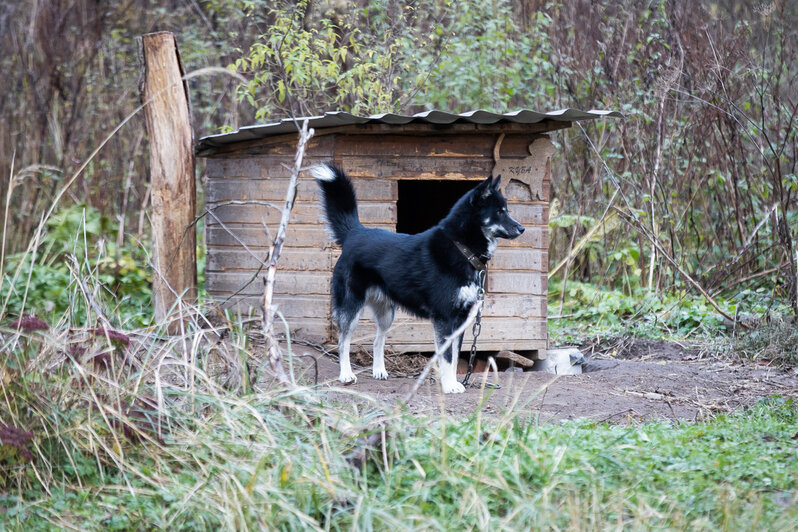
275 356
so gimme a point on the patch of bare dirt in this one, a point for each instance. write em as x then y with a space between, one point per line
635 381
643 349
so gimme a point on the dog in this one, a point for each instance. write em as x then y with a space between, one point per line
432 275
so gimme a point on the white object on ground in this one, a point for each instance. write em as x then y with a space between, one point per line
561 361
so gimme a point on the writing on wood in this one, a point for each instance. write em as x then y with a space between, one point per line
525 178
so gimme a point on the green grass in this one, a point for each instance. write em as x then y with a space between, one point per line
276 460
590 313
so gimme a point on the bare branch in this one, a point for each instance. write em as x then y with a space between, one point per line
275 357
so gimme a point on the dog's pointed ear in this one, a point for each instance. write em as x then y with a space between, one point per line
496 183
485 188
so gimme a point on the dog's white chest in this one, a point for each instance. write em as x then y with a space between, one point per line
467 295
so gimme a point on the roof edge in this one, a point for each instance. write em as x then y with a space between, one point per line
432 117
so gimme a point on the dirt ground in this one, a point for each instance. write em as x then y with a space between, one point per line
629 381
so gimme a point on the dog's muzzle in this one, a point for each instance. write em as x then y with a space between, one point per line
514 230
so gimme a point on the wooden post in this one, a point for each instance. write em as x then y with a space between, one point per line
172 173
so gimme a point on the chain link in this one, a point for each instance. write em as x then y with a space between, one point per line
477 328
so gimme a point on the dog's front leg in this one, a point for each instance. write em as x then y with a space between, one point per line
447 362
448 366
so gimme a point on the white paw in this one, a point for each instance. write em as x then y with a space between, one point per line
452 387
380 373
347 377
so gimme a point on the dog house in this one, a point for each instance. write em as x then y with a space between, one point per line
407 172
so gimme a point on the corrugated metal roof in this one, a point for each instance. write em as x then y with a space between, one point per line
340 118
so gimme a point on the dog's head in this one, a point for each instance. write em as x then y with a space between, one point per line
492 210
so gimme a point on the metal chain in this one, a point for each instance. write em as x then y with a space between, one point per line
477 328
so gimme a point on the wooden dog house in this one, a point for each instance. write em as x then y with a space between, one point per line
407 171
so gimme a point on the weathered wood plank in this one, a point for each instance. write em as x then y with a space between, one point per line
519 259
302 213
223 189
286 283
418 168
496 305
256 167
315 330
409 334
303 307
249 167
492 345
292 307
291 260
296 236
497 329
516 191
506 258
535 236
237 188
506 282
239 167
493 329
318 146
514 306
530 213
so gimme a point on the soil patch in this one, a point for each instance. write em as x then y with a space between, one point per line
627 381
642 349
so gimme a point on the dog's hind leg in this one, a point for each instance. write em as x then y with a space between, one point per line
346 328
347 304
384 312
447 362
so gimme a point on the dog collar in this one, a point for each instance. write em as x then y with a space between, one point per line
471 257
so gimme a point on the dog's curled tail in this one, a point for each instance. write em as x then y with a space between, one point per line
338 198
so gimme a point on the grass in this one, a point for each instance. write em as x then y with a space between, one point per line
117 449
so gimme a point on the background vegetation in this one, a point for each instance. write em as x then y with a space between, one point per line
694 191
704 164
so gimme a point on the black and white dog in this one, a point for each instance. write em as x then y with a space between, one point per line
432 274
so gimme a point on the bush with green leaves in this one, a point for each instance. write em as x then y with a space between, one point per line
388 57
588 310
301 70
485 59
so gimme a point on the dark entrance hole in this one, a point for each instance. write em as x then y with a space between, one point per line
423 203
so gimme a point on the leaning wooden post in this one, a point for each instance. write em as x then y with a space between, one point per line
165 94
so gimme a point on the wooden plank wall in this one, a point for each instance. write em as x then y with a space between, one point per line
515 312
